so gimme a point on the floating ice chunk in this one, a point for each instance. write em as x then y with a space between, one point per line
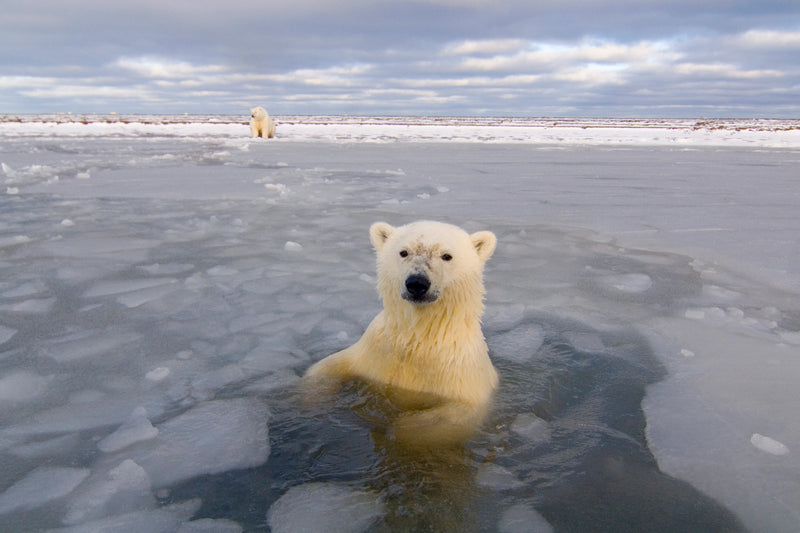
163 520
292 246
83 175
67 223
34 306
169 269
687 353
158 374
305 323
82 246
585 342
282 379
496 477
720 293
734 312
111 288
94 410
213 437
6 333
695 314
519 345
714 313
122 489
8 171
135 299
41 486
504 316
279 188
629 283
13 241
269 356
90 344
732 316
136 429
324 507
531 428
23 386
12 190
48 447
521 518
221 270
250 321
207 384
768 445
210 525
26 290
196 282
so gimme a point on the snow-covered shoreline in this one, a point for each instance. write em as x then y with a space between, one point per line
763 133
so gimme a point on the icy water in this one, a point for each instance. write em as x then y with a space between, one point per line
160 297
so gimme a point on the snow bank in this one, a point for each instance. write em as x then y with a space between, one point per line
772 133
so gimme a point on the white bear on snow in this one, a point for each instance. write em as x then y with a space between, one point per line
261 124
425 351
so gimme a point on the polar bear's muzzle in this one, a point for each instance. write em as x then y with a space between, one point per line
417 289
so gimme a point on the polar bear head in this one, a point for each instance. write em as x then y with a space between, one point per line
426 262
258 113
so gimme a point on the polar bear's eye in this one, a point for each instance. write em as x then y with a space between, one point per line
403 253
446 257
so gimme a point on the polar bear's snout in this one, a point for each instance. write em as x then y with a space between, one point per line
418 289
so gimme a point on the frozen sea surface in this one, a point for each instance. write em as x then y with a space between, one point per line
164 284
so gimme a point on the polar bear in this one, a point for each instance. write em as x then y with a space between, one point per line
261 124
425 351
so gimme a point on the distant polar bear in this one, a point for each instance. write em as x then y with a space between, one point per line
261 124
425 351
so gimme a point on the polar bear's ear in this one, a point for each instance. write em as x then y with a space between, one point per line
484 243
379 232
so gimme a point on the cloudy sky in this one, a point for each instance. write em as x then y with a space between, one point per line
612 58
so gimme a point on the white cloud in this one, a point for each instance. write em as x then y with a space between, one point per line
483 47
156 67
82 91
611 52
335 76
316 97
25 82
470 81
723 70
592 75
770 39
549 56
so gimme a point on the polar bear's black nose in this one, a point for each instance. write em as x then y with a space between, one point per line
417 286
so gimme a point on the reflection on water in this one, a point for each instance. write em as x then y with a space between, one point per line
564 450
